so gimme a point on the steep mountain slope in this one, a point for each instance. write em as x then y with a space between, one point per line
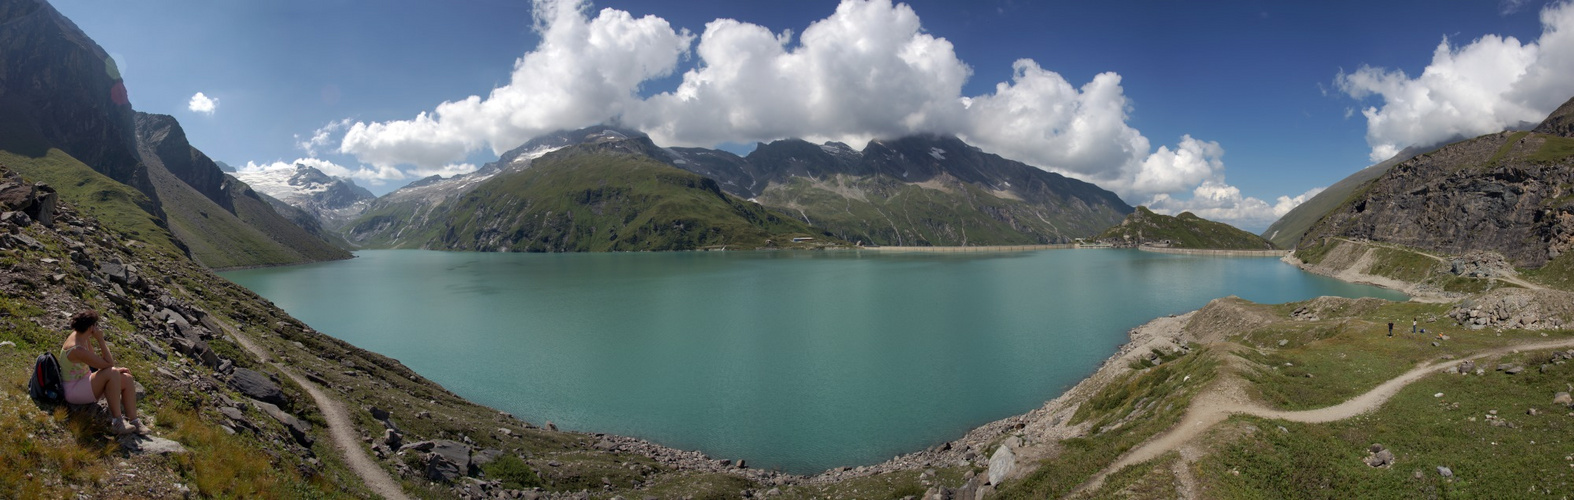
1511 193
1143 227
63 107
928 191
604 195
387 221
222 222
328 200
1287 231
910 191
233 388
56 81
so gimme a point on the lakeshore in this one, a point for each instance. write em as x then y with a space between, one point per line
734 323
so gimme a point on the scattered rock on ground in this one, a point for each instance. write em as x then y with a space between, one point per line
256 386
1001 464
136 444
1380 458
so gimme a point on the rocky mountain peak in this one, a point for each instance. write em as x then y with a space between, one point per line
1560 122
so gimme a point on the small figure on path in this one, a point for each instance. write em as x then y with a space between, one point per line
1390 328
1413 325
110 382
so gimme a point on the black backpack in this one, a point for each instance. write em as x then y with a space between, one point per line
45 386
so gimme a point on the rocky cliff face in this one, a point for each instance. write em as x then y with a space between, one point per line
1510 193
162 136
65 116
926 190
56 81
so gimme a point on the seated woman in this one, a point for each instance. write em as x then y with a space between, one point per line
110 382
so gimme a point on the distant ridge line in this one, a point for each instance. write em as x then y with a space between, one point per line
970 249
1216 253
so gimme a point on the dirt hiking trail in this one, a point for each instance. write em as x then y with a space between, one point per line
344 438
1228 397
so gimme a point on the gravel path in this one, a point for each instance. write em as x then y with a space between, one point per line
1229 398
339 427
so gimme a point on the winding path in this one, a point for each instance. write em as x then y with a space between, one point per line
1227 399
1514 279
339 427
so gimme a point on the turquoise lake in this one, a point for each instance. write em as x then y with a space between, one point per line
799 361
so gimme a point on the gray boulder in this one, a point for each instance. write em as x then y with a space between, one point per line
418 446
440 468
299 429
454 451
393 439
115 271
1381 458
1001 464
141 445
484 457
256 386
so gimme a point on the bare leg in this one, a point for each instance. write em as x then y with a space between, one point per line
128 396
106 384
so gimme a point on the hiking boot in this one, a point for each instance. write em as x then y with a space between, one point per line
141 427
121 427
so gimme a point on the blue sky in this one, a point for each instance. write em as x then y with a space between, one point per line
1217 107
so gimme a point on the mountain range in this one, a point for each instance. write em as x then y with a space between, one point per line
920 191
66 119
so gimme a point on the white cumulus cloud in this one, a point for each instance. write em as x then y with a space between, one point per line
584 72
321 138
201 103
448 170
868 70
1490 84
1224 203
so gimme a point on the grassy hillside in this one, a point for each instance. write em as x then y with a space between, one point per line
1499 434
591 199
1144 227
942 212
235 449
119 206
195 224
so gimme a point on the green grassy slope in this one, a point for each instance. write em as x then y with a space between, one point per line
591 199
884 211
1182 231
118 206
1500 435
215 237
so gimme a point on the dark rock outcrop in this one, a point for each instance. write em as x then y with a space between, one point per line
1560 122
1507 193
257 386
164 137
61 86
36 200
